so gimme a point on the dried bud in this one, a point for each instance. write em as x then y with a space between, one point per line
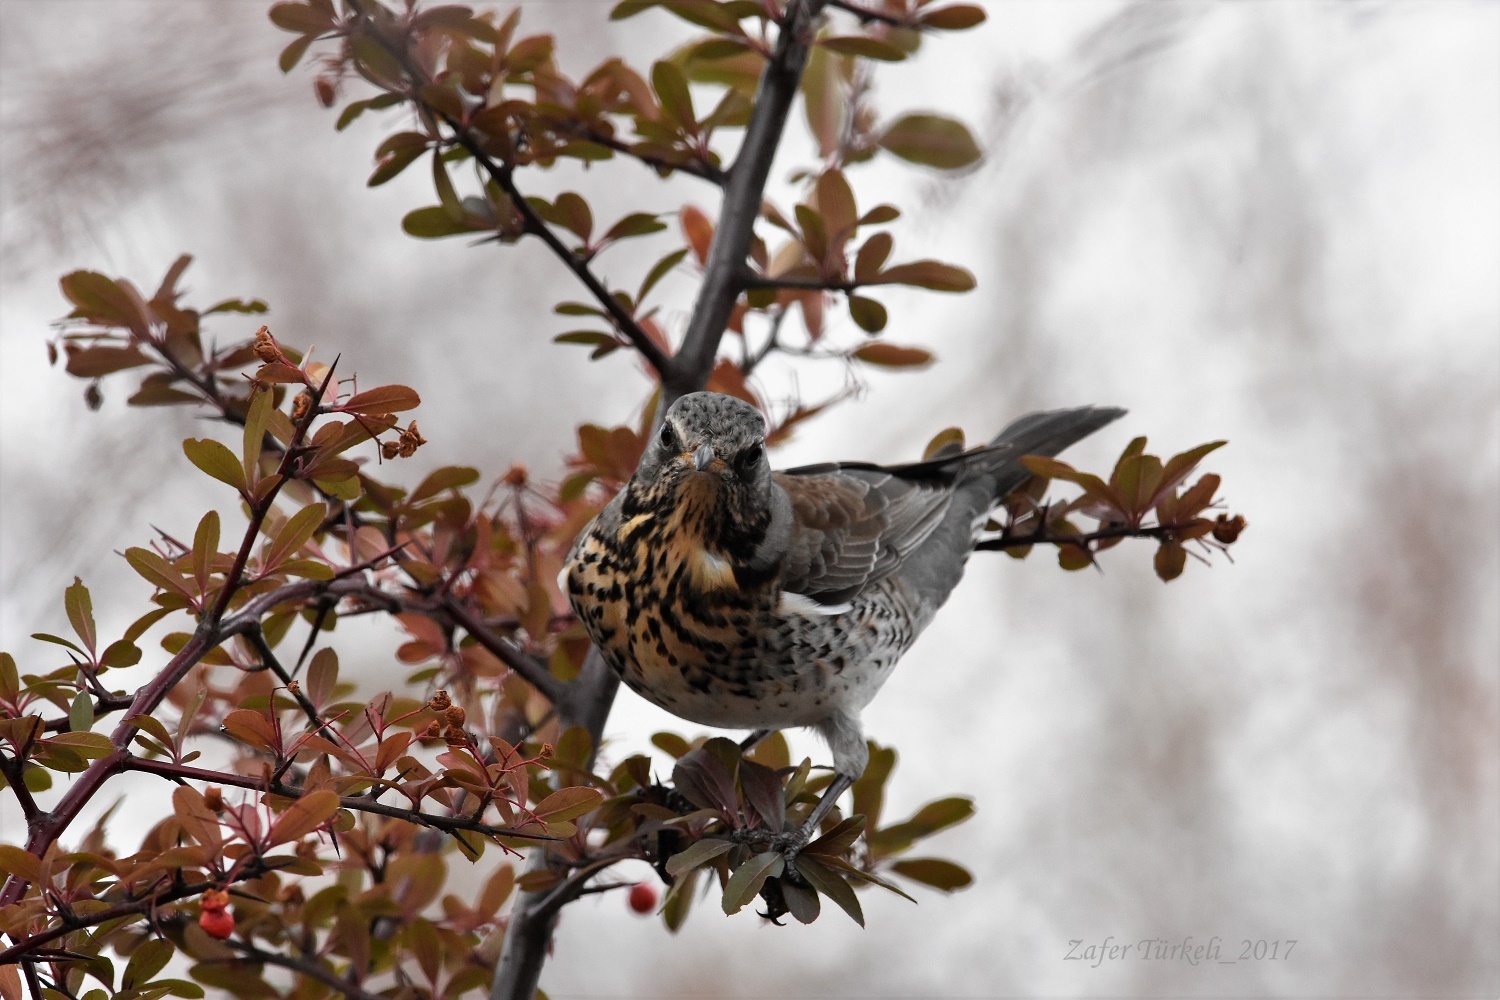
1227 529
265 346
434 731
515 476
545 752
307 850
291 894
439 701
455 735
390 449
455 715
411 439
213 797
301 405
293 688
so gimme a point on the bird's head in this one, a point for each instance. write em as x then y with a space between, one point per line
707 469
710 442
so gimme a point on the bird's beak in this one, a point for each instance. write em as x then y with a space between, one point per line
703 456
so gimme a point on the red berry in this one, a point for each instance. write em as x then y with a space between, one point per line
642 898
216 923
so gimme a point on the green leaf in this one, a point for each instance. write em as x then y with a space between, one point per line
81 613
863 45
672 91
868 314
832 885
256 418
434 222
931 140
205 547
120 653
293 53
931 274
81 714
157 570
217 460
1171 559
146 961
747 879
659 270
294 534
935 872
698 854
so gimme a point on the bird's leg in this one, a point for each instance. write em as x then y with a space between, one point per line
850 755
754 739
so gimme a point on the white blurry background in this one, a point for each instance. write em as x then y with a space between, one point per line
1277 223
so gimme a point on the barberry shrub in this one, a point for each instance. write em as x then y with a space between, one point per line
314 836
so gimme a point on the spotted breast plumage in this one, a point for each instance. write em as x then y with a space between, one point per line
742 598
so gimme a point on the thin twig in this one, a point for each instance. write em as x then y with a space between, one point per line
306 966
532 670
358 803
503 175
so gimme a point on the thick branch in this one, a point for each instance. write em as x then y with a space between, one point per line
723 277
587 701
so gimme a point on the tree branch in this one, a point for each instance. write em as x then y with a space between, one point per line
587 700
358 803
1083 540
211 631
753 280
706 171
723 276
867 15
311 968
503 175
531 670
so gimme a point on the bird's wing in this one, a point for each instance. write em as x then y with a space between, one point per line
853 524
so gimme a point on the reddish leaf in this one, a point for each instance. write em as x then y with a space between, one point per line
893 356
931 140
931 274
303 816
384 399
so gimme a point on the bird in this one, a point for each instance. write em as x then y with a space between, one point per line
738 597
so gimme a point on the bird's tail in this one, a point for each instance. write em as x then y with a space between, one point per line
999 468
988 475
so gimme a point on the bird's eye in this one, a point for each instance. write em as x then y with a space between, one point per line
668 437
748 457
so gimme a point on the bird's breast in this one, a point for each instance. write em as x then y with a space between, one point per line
664 607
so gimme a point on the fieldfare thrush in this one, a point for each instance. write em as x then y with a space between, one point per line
741 598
